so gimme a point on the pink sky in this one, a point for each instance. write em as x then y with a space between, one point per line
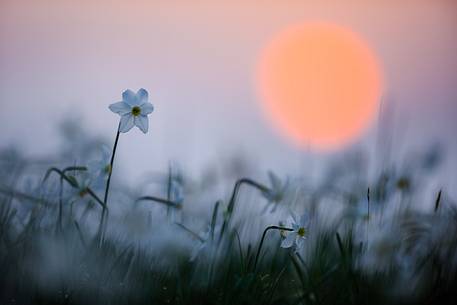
197 59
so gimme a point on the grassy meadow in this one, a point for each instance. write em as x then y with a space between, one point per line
176 239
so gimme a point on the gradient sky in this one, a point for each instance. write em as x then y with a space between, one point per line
197 60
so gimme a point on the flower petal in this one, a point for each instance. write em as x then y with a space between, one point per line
105 154
290 220
146 108
127 122
120 107
84 180
142 96
93 167
130 97
296 218
304 220
289 240
142 122
300 242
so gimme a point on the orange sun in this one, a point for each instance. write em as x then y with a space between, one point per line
320 84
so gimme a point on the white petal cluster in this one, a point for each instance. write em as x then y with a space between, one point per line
296 237
134 110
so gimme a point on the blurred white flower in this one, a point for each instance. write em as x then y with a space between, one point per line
82 187
100 169
133 109
298 235
277 189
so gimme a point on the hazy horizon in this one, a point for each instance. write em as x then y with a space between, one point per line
197 61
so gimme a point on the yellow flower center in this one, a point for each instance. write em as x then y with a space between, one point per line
403 183
136 111
83 192
107 169
301 232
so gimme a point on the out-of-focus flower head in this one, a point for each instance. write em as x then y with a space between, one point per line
277 189
100 168
82 183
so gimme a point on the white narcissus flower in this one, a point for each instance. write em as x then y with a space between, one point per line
276 193
298 235
277 190
133 109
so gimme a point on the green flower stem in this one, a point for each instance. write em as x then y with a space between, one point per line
263 239
195 235
214 218
71 168
169 190
73 183
59 220
237 187
231 205
298 269
437 201
168 203
368 216
105 198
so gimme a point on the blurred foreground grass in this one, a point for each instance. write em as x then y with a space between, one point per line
377 242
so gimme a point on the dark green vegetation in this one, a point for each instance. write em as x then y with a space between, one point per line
387 245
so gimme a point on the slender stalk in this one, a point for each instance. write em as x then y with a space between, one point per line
240 249
236 189
263 239
81 236
190 231
64 171
168 203
368 220
59 222
298 270
169 190
73 183
74 169
105 198
231 205
214 218
437 201
93 195
71 168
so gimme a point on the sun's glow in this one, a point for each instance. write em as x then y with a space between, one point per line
320 84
